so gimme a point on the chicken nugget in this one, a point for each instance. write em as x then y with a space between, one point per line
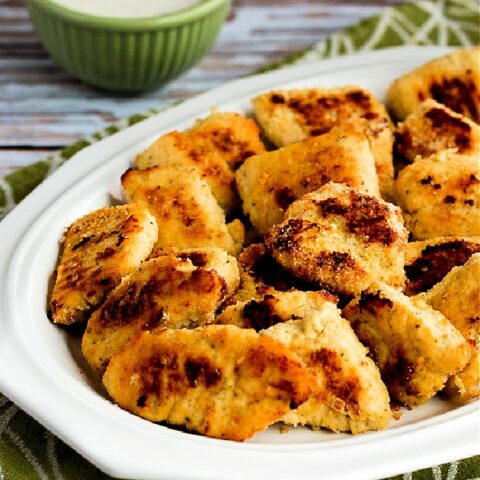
270 182
220 380
187 214
440 195
216 145
457 296
176 149
342 239
453 80
415 347
232 135
98 250
348 394
289 116
431 128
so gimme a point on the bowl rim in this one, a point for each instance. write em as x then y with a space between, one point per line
189 14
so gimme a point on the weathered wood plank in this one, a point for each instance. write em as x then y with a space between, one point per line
46 130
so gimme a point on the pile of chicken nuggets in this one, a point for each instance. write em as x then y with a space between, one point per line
317 265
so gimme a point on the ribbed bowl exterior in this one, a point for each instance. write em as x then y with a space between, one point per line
125 60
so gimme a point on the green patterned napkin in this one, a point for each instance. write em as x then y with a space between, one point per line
27 450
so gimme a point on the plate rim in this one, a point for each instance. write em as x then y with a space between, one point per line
78 167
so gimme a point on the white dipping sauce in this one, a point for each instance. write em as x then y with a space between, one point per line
127 8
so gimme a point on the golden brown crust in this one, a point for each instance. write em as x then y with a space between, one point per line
453 80
427 262
289 116
431 128
216 145
347 391
457 296
415 347
342 239
221 381
163 292
269 183
98 250
179 149
440 196
187 214
233 136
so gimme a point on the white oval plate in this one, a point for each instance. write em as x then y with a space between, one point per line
42 371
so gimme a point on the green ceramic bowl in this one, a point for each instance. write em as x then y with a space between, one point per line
126 54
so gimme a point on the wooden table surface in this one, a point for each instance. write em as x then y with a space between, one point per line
43 108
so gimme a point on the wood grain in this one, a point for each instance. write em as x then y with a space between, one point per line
43 108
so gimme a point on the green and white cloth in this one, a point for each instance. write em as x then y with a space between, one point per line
27 450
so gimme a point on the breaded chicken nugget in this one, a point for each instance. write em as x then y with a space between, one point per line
163 292
220 380
452 79
176 149
341 238
273 308
348 394
216 145
457 296
440 195
210 259
187 214
428 261
269 183
98 250
289 116
232 135
415 347
431 128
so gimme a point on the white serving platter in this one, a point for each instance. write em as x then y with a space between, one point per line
42 371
